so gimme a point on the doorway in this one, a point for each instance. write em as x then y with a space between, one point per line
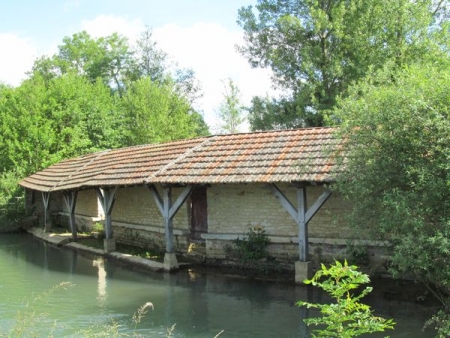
199 214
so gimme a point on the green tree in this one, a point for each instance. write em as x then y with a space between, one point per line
107 58
94 94
231 109
152 62
44 122
317 48
115 62
395 127
157 113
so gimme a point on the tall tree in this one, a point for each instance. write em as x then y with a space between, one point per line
95 93
107 58
153 62
395 127
317 48
44 122
231 110
156 113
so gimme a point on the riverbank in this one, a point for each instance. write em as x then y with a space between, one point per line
384 288
263 271
65 239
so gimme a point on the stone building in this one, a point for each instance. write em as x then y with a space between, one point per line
207 191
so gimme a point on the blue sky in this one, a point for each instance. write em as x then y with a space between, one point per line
199 34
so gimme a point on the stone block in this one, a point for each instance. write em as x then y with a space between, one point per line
109 245
170 262
303 270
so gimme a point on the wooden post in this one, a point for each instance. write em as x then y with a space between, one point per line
168 211
70 198
302 224
301 214
168 224
46 200
107 198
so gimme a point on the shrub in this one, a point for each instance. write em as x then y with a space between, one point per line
347 317
252 247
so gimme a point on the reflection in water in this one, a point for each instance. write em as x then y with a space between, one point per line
101 289
201 305
304 314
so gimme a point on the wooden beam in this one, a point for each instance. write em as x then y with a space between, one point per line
70 198
284 201
107 197
317 205
302 225
301 215
169 210
180 200
157 197
46 200
168 224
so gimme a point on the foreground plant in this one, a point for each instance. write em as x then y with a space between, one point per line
29 320
347 317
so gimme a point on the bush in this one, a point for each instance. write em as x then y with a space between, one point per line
12 206
347 317
252 247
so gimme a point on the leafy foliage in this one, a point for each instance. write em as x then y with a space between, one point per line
230 110
253 246
94 94
316 49
347 317
441 322
156 113
396 126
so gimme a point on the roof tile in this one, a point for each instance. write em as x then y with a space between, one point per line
274 156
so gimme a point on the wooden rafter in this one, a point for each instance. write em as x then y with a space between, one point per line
302 215
46 201
70 198
168 209
107 197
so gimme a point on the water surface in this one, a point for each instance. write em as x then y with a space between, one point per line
200 305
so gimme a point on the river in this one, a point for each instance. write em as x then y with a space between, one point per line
101 292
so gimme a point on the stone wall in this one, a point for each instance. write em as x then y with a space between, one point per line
235 208
33 200
135 205
232 210
136 219
87 204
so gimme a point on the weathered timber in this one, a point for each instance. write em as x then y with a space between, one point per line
107 198
70 198
302 215
168 209
46 200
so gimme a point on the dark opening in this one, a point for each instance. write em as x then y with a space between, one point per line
199 214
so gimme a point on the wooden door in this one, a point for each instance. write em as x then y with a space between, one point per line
199 213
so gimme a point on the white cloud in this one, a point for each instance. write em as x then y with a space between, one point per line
69 5
104 25
210 50
17 58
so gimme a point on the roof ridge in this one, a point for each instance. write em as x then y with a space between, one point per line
276 131
99 155
207 140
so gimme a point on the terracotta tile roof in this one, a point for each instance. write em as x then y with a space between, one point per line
274 156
